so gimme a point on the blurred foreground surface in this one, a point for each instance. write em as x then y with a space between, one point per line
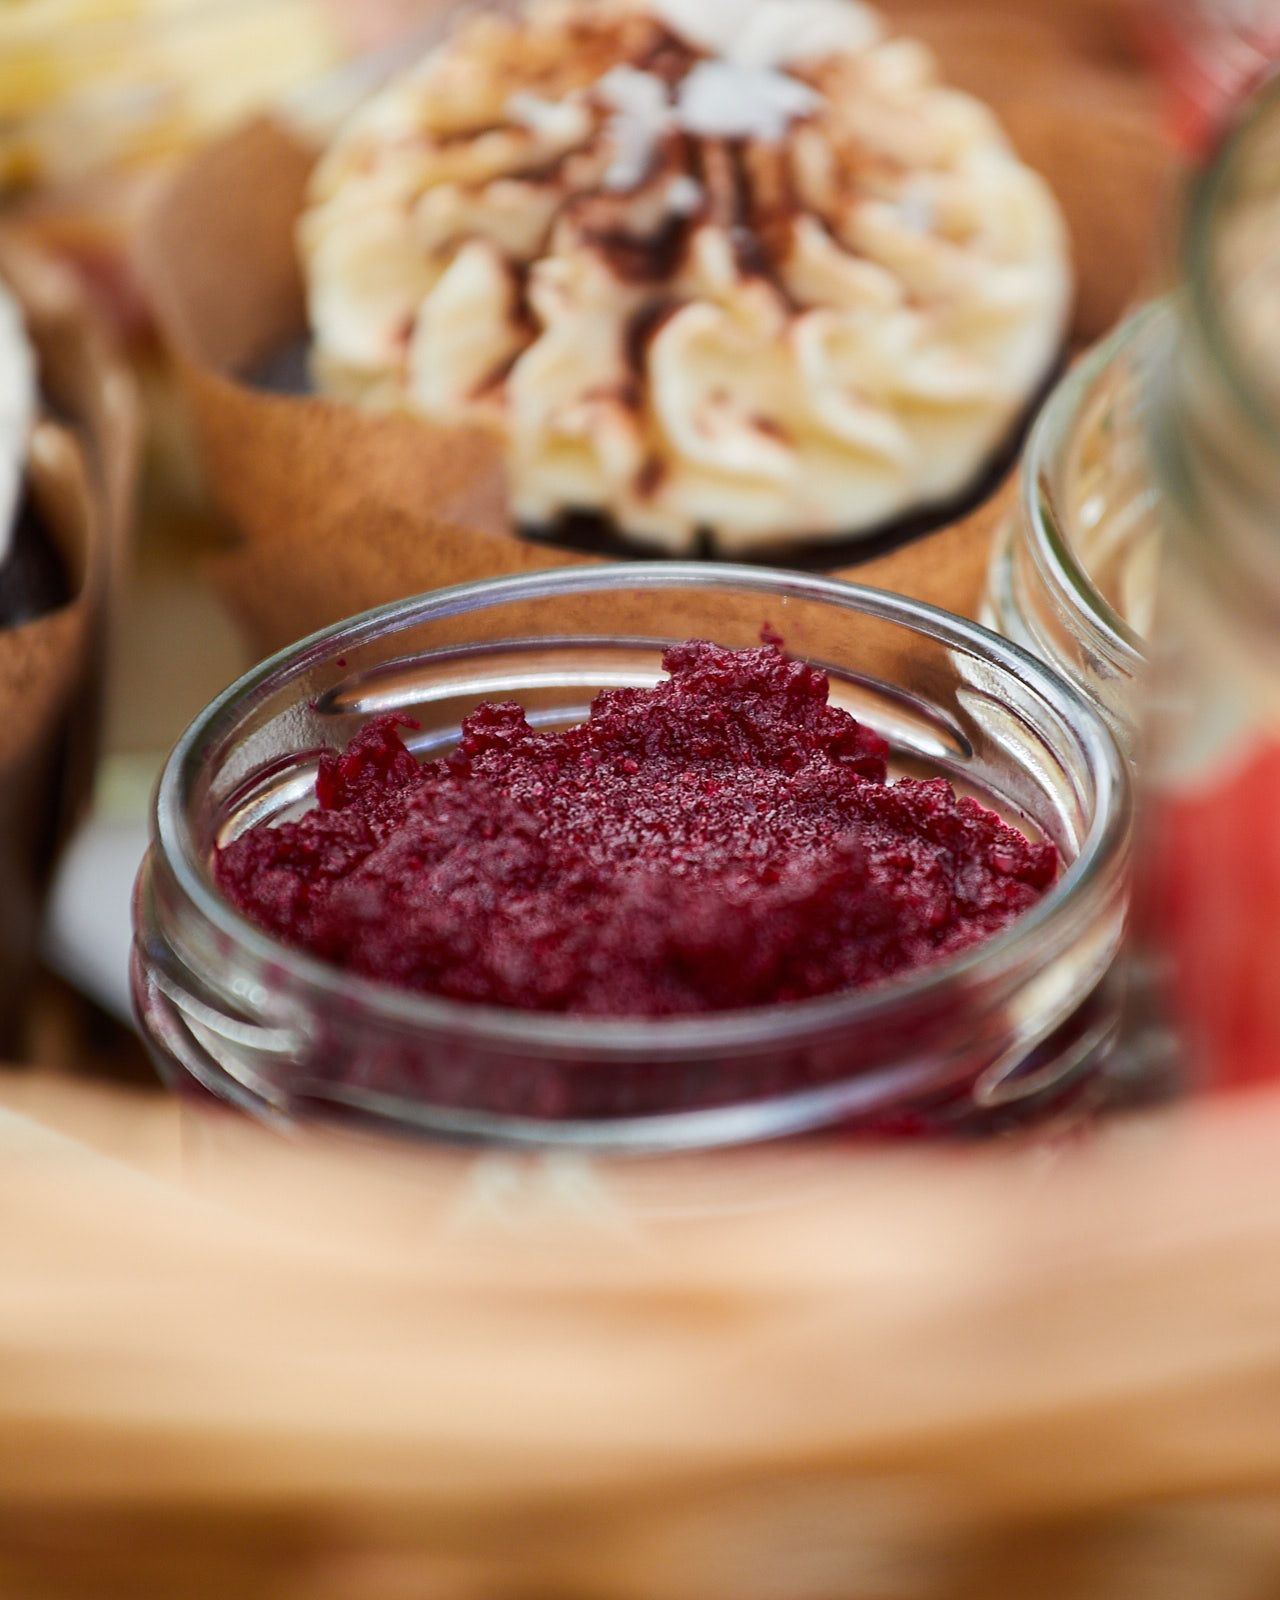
231 1364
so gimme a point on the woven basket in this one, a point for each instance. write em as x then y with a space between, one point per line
344 1372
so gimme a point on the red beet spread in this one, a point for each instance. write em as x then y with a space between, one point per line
724 839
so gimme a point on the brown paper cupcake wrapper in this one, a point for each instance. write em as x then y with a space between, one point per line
338 511
80 476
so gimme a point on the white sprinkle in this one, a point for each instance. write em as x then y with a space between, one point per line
684 195
721 100
917 211
771 33
632 153
642 114
562 121
641 94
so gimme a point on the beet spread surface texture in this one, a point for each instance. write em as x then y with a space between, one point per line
724 839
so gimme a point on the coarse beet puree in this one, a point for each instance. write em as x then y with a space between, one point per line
722 840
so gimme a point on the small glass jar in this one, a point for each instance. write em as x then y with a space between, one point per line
1073 570
1209 925
1010 1025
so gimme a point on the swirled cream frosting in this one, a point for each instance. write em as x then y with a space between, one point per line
738 271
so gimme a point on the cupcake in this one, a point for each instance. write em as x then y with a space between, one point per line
32 583
731 276
66 468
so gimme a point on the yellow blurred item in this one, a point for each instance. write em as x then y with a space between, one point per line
92 85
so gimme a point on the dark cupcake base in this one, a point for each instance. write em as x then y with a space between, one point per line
34 578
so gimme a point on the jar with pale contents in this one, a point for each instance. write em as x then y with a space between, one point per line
1073 571
1209 905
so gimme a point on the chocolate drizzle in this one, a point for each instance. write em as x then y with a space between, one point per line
643 327
653 257
545 172
519 309
522 318
496 377
772 202
448 138
747 184
650 477
751 195
771 428
668 57
402 338
625 392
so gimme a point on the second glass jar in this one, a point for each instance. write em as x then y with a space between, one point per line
1073 572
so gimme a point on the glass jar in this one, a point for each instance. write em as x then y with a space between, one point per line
1210 900
1073 570
1015 1023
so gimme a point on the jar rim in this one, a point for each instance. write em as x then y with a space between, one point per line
1052 550
1094 870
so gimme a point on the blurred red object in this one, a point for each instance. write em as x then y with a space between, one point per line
1207 916
1217 851
1210 54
